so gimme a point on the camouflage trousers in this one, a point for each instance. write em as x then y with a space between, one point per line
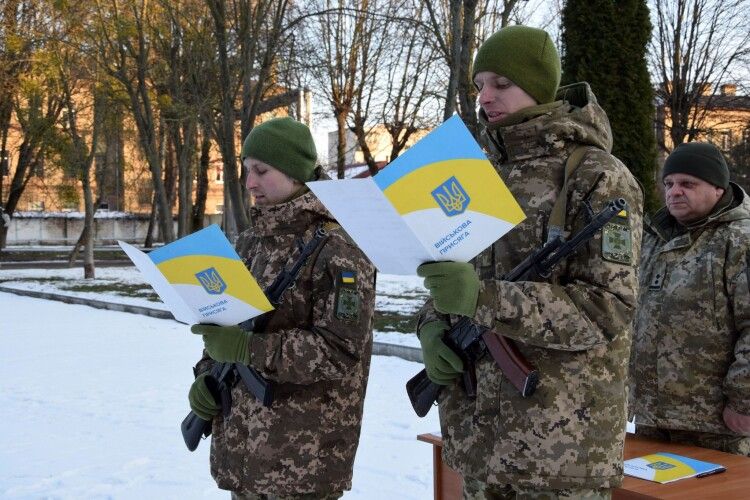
477 490
301 496
736 445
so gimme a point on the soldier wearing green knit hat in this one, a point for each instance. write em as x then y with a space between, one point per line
552 147
314 347
280 157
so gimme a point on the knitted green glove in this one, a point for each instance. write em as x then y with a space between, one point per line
454 286
442 364
201 401
225 344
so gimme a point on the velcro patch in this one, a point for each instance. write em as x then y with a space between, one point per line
347 297
617 240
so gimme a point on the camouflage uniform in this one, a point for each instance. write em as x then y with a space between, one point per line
316 349
691 348
574 327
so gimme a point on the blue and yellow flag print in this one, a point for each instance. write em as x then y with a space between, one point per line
449 193
205 272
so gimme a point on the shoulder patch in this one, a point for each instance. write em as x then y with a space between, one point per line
617 239
347 297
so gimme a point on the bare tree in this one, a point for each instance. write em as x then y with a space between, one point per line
335 39
30 90
696 43
184 55
125 50
459 27
411 75
378 39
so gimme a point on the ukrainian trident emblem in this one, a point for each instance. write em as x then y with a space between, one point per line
211 281
451 197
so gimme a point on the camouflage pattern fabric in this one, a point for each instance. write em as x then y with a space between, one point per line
316 349
691 349
303 496
727 443
477 490
574 327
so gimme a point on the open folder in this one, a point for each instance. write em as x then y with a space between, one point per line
440 200
201 279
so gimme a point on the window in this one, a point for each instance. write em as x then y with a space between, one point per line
36 206
220 209
219 174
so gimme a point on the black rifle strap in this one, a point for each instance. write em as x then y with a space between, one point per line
307 251
273 292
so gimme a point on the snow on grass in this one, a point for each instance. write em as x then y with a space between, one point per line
92 401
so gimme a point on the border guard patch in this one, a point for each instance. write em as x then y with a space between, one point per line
347 297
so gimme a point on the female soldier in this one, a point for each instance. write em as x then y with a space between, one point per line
314 348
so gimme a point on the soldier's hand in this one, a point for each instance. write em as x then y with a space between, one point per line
201 401
454 286
441 363
226 344
737 422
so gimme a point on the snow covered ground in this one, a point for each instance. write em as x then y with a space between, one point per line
92 401
395 294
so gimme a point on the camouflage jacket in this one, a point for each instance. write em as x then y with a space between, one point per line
691 347
574 327
316 349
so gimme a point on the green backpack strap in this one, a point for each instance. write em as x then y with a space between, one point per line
559 209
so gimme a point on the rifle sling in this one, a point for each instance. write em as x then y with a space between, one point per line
273 294
556 223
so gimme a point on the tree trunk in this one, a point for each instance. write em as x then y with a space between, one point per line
466 96
454 59
341 144
149 242
88 225
185 149
226 125
201 190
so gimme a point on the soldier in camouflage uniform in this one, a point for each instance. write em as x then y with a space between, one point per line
315 348
566 440
690 368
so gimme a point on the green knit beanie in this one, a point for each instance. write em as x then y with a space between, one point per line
526 56
285 144
699 159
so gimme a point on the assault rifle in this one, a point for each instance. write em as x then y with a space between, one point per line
471 342
222 376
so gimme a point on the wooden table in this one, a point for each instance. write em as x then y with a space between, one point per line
446 482
730 485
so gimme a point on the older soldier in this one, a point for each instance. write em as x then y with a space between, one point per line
691 351
315 348
565 441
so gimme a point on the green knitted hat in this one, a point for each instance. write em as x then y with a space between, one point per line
285 144
526 56
699 159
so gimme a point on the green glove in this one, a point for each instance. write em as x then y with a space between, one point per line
201 401
225 344
454 286
442 364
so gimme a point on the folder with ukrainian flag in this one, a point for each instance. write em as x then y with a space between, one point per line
440 200
201 279
664 467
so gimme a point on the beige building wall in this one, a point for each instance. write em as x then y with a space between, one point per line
51 190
